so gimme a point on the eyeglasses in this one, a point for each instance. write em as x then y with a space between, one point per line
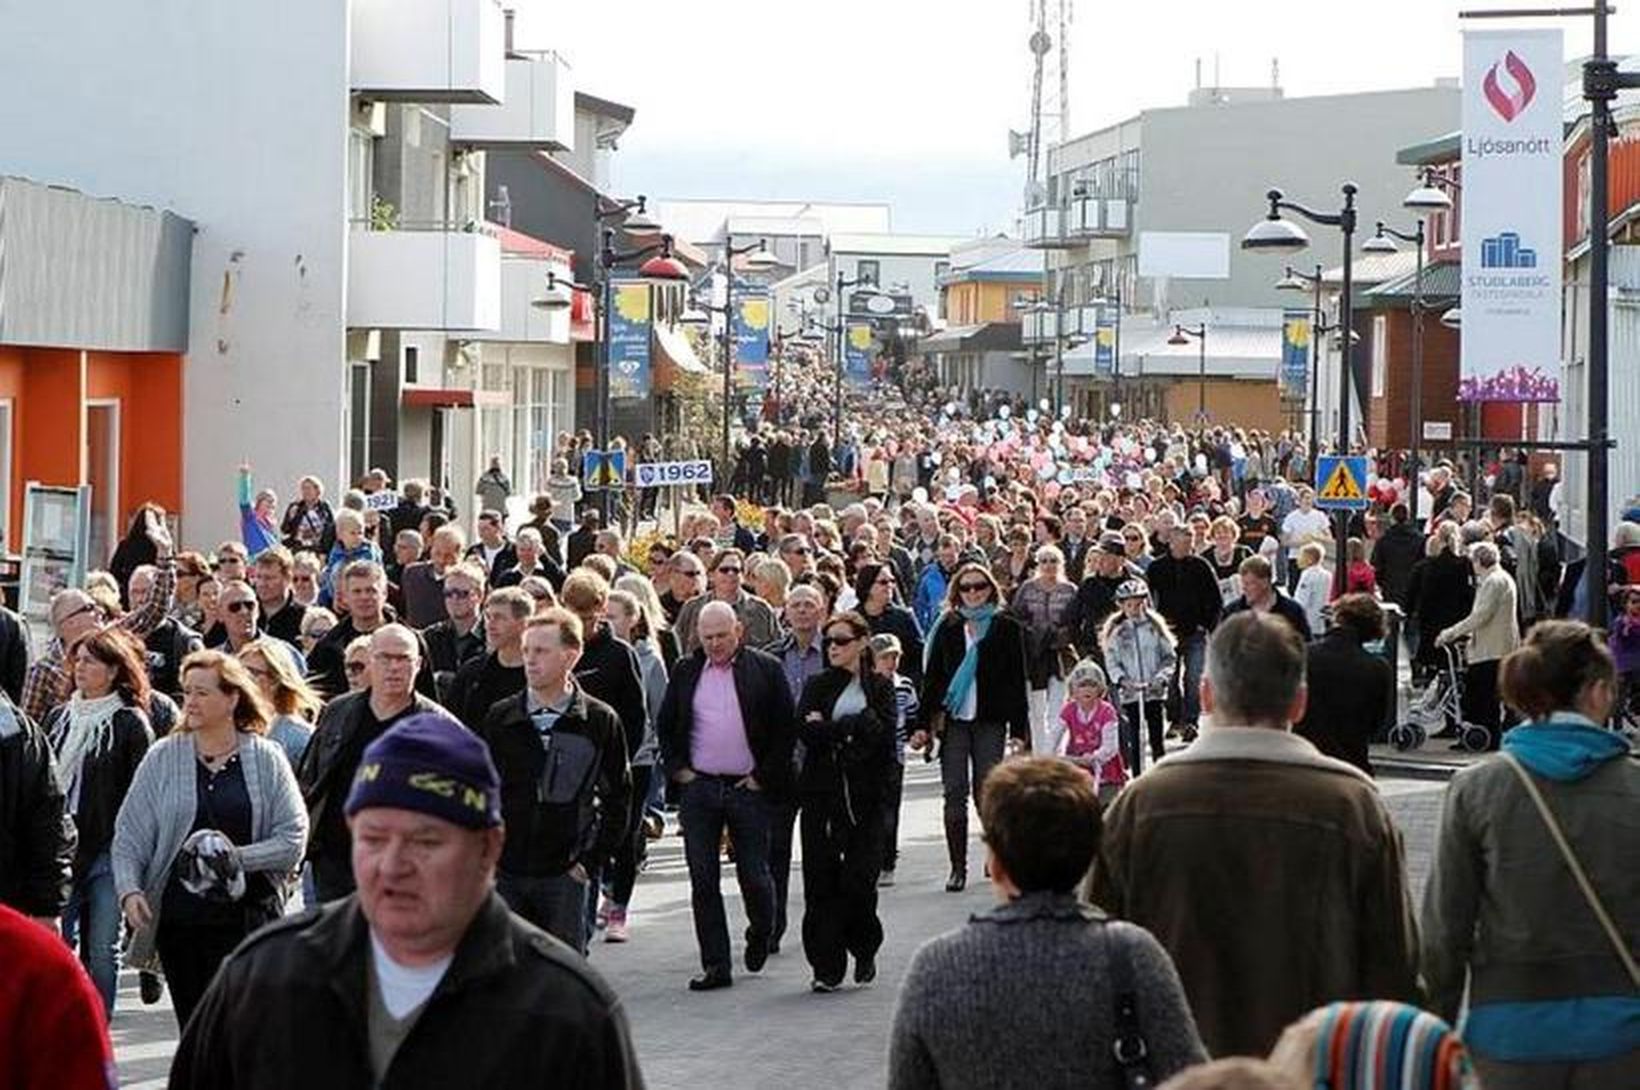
800 550
455 592
727 571
241 605
354 667
973 588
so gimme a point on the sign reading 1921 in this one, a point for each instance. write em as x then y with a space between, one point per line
657 474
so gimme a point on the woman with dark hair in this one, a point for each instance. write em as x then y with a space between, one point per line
845 721
1350 688
876 588
210 831
135 549
1533 898
99 736
973 698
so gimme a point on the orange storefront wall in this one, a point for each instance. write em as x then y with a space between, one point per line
48 389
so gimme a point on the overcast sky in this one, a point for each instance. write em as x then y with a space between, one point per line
910 101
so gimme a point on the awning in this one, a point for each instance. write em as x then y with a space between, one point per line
1240 352
675 349
451 397
985 337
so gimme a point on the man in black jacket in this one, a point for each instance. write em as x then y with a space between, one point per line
565 783
607 667
168 644
1096 595
533 558
460 636
1260 594
365 585
1394 554
1352 691
13 655
726 732
485 681
349 724
37 837
281 613
492 1000
584 539
1186 594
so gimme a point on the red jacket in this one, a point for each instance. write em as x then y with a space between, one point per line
52 1032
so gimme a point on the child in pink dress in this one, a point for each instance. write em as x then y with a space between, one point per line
1091 729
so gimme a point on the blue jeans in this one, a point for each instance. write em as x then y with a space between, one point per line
556 903
707 805
1192 660
91 920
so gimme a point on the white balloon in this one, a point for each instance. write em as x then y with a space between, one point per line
1064 412
1031 416
936 458
1003 411
920 494
952 492
1047 472
1044 404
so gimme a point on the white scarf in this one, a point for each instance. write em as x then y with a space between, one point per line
87 732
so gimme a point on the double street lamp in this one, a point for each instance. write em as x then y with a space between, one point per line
758 259
841 332
1183 335
1274 234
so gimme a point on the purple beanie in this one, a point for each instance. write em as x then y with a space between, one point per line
431 765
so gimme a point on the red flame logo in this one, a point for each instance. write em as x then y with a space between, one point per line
1510 105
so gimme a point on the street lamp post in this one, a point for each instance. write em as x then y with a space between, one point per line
1183 335
843 284
1277 235
1382 241
758 258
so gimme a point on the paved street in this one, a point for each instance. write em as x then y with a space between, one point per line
766 1027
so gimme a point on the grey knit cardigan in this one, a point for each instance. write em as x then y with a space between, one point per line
1022 996
158 814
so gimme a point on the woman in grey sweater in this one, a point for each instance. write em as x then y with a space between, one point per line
1028 993
209 833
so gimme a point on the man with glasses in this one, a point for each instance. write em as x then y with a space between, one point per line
757 618
73 614
231 558
1075 544
801 657
348 724
797 554
459 637
238 612
168 643
683 580
726 731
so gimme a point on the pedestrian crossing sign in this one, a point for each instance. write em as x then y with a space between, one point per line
1341 483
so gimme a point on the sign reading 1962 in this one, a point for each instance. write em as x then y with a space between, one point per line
656 474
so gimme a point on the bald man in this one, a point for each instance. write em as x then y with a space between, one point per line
726 731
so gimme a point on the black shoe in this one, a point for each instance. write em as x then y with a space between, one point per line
865 969
823 986
150 987
957 882
710 982
757 952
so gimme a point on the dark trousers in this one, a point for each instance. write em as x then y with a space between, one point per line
891 817
782 830
841 854
968 752
190 955
707 806
1128 736
629 857
556 903
332 878
1480 698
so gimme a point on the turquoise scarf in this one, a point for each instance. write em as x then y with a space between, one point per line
1567 747
963 679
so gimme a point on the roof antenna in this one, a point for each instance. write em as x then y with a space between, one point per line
1275 73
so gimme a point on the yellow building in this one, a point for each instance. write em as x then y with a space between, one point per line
980 300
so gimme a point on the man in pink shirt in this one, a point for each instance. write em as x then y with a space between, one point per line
726 732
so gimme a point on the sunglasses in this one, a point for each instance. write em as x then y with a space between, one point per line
240 606
82 611
840 641
801 550
884 581
354 667
458 594
973 588
728 571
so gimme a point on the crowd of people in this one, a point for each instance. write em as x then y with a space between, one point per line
454 752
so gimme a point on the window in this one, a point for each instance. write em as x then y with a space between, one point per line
361 187
867 271
412 364
942 269
1380 353
6 543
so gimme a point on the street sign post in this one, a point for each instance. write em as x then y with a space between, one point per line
604 469
1341 483
658 474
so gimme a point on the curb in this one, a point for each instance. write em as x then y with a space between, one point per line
1437 771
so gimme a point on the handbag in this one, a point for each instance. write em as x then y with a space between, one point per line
1576 868
1128 1047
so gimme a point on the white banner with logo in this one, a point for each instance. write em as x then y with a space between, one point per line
1511 198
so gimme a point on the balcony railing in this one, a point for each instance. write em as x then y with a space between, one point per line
429 50
1099 217
435 278
538 114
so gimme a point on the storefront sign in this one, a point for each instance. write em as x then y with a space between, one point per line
629 350
1511 215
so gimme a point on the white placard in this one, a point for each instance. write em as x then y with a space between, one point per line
658 474
1439 431
1511 215
384 500
1187 255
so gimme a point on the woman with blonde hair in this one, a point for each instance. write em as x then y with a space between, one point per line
771 579
209 832
294 704
654 615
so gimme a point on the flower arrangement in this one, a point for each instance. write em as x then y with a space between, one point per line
1518 383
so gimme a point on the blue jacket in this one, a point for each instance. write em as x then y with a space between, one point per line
929 598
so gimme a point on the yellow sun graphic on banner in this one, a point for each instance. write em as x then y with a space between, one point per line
632 302
859 337
754 313
1298 331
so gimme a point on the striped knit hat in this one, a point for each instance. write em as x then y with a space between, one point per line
1382 1045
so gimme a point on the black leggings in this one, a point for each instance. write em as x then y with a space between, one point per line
190 955
1128 738
635 846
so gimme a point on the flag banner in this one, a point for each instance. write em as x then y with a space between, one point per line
751 338
1104 344
1294 379
1511 215
628 331
857 340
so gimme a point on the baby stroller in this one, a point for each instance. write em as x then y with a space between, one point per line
1441 704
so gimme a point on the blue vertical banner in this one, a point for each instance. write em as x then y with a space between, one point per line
1293 381
1104 344
629 352
857 352
751 337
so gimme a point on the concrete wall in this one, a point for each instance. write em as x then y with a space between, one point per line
1207 169
233 115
